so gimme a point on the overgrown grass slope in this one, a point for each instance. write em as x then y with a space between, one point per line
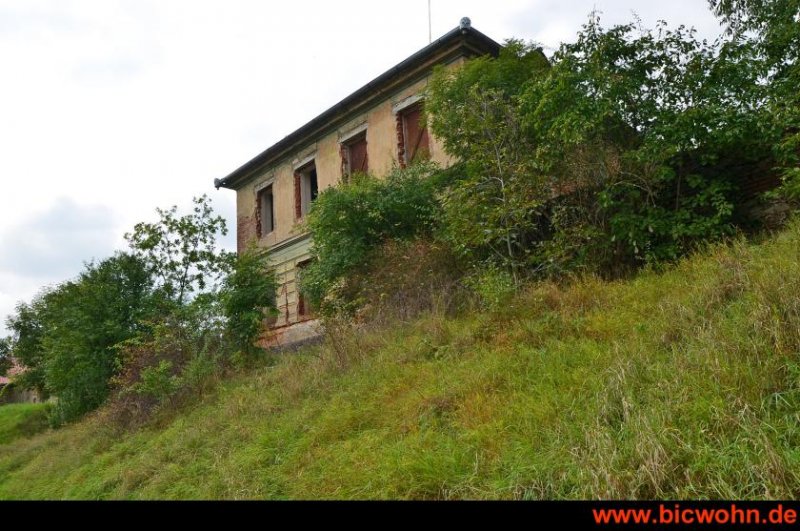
676 384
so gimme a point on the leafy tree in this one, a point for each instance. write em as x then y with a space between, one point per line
5 355
181 251
649 126
626 149
248 298
773 28
89 317
476 110
28 325
148 324
66 336
776 24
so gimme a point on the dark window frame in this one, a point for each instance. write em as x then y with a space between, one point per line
265 224
306 188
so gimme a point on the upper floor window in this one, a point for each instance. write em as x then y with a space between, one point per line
306 188
414 143
265 211
354 155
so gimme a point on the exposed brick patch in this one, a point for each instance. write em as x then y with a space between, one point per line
246 232
257 217
298 198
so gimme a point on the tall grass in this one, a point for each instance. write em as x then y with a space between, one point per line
676 384
22 420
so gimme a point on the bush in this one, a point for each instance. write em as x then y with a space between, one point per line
403 280
494 287
176 360
349 222
625 151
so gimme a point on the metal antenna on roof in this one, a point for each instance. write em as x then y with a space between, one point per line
430 28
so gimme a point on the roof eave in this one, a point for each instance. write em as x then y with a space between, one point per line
464 36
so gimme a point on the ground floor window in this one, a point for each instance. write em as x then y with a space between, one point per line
303 307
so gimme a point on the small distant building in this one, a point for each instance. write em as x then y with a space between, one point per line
374 129
10 392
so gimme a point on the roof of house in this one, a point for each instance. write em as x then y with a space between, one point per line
460 41
15 370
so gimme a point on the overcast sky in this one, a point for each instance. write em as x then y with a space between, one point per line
111 108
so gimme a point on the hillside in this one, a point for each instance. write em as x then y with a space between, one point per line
676 384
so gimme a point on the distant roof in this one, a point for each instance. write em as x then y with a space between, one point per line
16 369
463 39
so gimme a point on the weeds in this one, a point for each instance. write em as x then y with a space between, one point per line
682 383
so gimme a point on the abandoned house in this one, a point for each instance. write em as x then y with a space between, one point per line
375 128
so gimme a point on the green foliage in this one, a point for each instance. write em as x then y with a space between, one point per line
157 381
175 359
627 149
181 251
27 326
494 286
641 128
185 343
678 384
775 24
492 212
772 28
5 355
66 336
350 221
248 298
75 338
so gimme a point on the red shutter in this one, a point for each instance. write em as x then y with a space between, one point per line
416 135
358 155
298 198
259 203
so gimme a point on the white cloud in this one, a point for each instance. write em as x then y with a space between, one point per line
56 242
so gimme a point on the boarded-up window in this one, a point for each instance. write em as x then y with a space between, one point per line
265 211
303 307
416 143
355 154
